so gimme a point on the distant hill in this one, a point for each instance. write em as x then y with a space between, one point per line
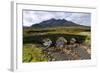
56 23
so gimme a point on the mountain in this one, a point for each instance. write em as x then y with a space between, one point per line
56 23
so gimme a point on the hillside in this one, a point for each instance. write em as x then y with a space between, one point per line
56 23
34 49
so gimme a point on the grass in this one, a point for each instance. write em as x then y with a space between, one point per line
32 40
31 53
57 30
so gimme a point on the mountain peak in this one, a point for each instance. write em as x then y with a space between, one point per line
53 19
57 19
55 23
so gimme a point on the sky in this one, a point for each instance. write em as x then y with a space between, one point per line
33 17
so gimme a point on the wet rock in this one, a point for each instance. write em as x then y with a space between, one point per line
60 42
47 42
72 41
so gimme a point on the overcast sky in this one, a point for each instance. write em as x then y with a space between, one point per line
33 17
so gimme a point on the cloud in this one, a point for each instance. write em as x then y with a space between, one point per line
33 17
80 18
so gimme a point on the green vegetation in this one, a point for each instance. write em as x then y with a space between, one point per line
57 30
33 54
32 40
